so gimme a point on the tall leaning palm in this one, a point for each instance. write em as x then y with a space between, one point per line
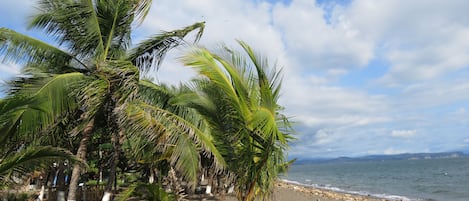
238 95
93 69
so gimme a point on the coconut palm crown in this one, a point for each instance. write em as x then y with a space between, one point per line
238 95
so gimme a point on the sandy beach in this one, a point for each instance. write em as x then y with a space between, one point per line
291 192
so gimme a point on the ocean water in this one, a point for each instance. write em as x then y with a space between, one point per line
426 180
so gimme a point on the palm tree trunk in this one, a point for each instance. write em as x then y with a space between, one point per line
112 177
81 154
112 172
250 192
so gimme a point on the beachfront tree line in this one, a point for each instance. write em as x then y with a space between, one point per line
86 101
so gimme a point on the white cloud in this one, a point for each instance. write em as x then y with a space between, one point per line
324 136
403 133
429 61
316 104
421 39
314 43
435 93
9 70
226 21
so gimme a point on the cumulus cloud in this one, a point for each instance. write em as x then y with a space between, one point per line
225 21
324 105
420 39
403 133
317 44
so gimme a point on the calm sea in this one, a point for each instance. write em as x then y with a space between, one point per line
430 180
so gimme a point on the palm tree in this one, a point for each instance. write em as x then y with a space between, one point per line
18 157
94 71
238 97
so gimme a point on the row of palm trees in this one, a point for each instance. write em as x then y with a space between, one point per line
92 86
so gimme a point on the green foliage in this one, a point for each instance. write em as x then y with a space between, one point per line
93 78
24 158
34 158
146 191
179 133
238 97
20 48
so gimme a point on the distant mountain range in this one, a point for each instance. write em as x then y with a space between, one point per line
407 156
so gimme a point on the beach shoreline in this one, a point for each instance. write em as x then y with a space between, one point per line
285 190
290 191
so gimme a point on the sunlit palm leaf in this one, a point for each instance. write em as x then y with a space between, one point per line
206 64
53 95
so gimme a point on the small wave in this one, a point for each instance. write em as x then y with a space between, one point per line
293 182
393 197
361 193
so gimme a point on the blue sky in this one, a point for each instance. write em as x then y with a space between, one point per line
360 76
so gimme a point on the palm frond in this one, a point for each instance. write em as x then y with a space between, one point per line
35 158
269 82
148 55
11 111
141 9
206 63
264 121
115 21
73 23
53 95
168 131
20 48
